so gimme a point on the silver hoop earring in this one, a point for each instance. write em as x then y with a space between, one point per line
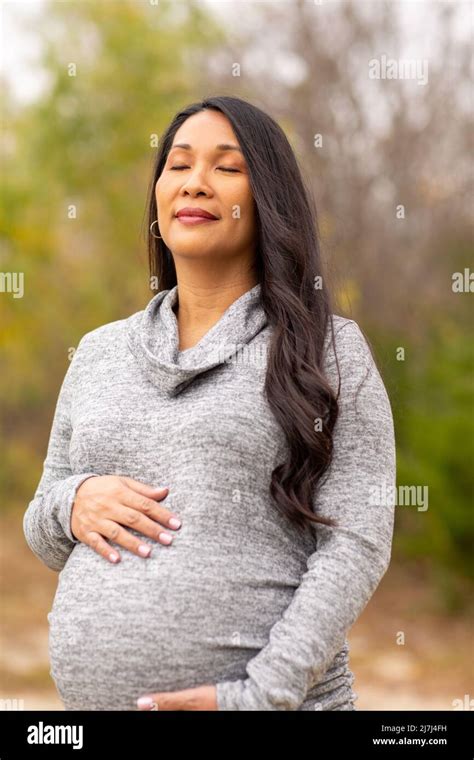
158 237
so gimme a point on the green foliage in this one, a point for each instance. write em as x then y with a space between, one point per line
431 392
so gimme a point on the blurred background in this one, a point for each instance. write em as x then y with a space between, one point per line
376 100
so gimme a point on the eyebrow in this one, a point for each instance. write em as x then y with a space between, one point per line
222 147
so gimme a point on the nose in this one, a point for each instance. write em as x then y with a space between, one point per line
196 184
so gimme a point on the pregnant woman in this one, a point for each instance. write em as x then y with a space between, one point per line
237 403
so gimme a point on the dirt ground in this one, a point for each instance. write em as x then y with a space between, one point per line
406 654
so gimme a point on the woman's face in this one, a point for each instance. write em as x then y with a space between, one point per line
204 171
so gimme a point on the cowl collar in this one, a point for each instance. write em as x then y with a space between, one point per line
153 338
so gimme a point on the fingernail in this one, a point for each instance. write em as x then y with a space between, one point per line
113 557
166 538
146 702
144 550
174 522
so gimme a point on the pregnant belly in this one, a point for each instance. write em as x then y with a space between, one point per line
181 618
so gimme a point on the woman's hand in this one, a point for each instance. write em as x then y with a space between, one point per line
198 698
105 503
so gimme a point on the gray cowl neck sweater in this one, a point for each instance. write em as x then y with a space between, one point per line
241 599
154 339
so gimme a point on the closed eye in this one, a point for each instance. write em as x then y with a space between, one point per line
223 168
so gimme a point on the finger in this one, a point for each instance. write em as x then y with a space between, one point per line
119 535
147 703
154 492
99 545
131 518
166 700
150 508
196 698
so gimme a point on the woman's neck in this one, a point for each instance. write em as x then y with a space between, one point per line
197 309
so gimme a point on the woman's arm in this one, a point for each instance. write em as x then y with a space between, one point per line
47 520
350 559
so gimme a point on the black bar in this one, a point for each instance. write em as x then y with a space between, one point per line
420 734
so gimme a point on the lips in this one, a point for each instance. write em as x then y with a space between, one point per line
197 212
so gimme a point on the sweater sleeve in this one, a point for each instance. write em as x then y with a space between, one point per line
358 491
47 520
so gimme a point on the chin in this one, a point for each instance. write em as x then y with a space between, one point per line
197 249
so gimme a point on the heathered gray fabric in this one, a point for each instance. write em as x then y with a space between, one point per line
241 598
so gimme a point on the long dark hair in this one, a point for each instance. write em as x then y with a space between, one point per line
288 262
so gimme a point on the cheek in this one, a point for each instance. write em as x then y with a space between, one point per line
238 199
160 191
165 199
164 189
246 222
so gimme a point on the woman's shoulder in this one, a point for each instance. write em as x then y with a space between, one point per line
110 331
351 345
356 367
103 342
